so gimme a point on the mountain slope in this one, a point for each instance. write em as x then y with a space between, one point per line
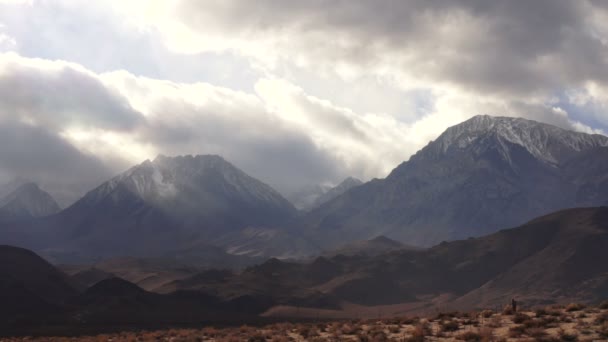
29 285
161 205
376 246
555 258
336 191
479 176
28 201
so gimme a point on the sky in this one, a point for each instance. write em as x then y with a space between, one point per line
295 93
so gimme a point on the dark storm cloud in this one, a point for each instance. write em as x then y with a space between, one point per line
34 153
506 47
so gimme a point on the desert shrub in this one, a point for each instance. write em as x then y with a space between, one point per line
537 333
466 315
487 313
567 337
210 331
362 337
495 322
534 323
378 336
519 318
280 339
257 337
351 328
394 329
540 312
604 305
517 331
445 315
507 310
575 307
602 318
549 320
409 320
449 326
468 321
317 339
487 334
603 330
307 332
421 330
469 336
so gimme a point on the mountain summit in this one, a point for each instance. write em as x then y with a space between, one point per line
168 204
28 201
479 176
545 142
207 182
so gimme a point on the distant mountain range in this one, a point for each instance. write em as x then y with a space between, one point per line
476 178
482 175
167 206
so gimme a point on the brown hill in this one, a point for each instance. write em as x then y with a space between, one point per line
555 258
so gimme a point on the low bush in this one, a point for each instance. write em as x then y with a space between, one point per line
487 313
574 307
603 330
469 336
519 318
421 330
536 333
447 326
601 318
567 337
517 331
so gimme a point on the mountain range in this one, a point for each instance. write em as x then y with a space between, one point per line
165 206
476 178
479 176
551 259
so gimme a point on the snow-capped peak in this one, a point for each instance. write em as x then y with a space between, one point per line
544 141
165 178
29 200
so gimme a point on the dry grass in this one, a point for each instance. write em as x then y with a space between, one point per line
573 322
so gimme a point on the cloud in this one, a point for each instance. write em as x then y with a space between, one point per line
295 93
280 134
60 94
493 47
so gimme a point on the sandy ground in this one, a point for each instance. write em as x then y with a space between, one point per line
570 323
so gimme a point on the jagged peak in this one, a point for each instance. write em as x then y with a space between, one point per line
540 139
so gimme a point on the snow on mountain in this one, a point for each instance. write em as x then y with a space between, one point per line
545 142
167 178
28 201
485 174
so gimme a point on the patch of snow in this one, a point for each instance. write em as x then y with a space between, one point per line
540 139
